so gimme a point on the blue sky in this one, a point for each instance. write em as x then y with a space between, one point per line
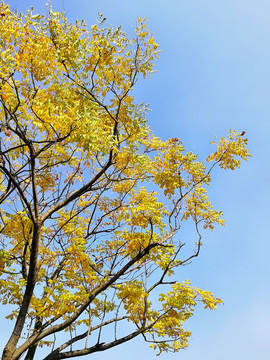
213 75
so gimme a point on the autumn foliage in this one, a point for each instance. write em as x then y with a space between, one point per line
91 201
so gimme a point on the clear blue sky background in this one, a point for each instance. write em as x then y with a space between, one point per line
213 75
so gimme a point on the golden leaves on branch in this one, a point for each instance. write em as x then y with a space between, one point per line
104 196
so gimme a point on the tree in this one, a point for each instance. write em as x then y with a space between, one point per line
91 201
